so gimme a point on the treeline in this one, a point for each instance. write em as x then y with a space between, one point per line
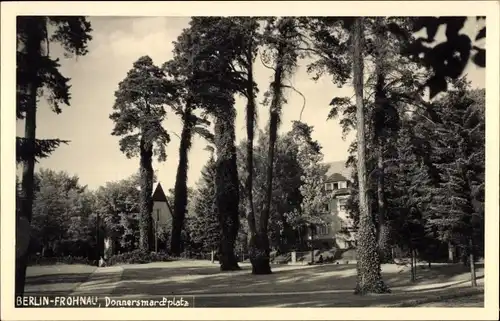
429 201
68 217
71 220
213 62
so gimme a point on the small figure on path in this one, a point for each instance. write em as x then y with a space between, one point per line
320 260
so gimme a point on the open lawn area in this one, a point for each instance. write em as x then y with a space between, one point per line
56 279
289 286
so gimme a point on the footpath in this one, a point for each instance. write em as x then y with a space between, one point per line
101 282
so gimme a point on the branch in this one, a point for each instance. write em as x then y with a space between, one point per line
264 64
303 98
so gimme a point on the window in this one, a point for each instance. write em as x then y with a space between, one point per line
335 185
327 207
323 230
342 184
329 186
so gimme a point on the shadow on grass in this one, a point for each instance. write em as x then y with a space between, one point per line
209 280
315 300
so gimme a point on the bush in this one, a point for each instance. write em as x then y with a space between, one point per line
137 257
41 260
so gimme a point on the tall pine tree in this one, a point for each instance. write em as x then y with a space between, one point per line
139 110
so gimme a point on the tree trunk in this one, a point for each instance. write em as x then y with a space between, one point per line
33 48
257 241
472 264
261 255
412 266
146 201
227 188
180 191
384 246
368 265
415 255
379 122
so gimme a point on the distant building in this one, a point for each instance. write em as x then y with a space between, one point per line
337 231
162 212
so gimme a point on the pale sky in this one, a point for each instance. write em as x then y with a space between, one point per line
94 155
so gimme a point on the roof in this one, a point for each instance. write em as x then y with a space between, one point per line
336 177
159 194
338 167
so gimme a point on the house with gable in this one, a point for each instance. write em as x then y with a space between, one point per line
162 212
337 230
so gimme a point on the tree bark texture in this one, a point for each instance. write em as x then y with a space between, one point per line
146 238
368 266
180 190
33 52
227 188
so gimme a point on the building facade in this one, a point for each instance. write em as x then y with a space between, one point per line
337 230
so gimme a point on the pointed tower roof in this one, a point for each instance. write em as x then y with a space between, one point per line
159 194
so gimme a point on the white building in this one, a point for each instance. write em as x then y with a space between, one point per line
337 232
162 212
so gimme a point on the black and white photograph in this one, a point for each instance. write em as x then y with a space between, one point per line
250 161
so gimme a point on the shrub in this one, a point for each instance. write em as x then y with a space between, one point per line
137 257
41 260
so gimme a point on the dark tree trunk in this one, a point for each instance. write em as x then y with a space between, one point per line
368 266
260 251
413 276
384 245
180 191
146 238
257 241
379 122
32 49
227 188
259 255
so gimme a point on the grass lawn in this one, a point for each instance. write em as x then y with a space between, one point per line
471 301
326 285
289 286
59 279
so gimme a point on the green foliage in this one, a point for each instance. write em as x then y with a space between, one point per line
313 194
329 44
458 200
447 59
137 257
62 212
117 204
410 197
69 259
298 172
42 148
36 67
139 109
204 223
